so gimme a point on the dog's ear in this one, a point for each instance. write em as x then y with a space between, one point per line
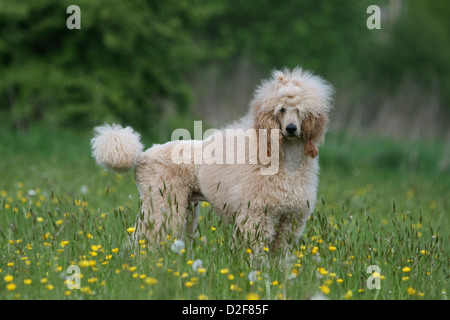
313 131
267 121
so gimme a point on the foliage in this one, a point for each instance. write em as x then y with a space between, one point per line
133 61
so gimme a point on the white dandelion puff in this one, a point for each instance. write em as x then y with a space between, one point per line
84 189
198 264
178 246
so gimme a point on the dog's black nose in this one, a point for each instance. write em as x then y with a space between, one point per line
291 128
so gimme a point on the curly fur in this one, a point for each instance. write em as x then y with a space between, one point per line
270 208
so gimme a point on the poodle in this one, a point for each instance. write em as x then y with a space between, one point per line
268 194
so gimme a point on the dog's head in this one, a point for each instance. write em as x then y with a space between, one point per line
296 103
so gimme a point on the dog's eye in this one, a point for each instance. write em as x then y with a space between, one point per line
282 110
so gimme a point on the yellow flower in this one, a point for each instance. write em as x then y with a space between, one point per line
67 293
266 249
92 280
322 271
405 278
332 248
224 271
64 243
314 250
406 269
11 286
252 296
131 229
205 204
10 264
96 247
213 229
115 250
248 250
202 297
348 295
230 277
83 263
190 262
411 291
201 270
50 287
339 280
132 269
189 284
27 281
275 283
8 278
44 280
325 289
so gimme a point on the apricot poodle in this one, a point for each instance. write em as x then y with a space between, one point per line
260 173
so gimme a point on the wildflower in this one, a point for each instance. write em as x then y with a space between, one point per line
405 278
213 229
39 219
27 281
11 286
224 271
322 271
178 246
348 295
64 243
8 278
205 204
275 283
190 262
83 263
50 287
266 249
10 264
189 284
411 291
115 250
131 230
314 250
406 269
325 289
230 277
339 280
252 296
96 247
202 297
332 248
248 250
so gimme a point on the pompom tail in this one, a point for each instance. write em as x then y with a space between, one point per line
116 148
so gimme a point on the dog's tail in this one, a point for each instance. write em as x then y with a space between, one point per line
116 148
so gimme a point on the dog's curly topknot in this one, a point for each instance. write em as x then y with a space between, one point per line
116 148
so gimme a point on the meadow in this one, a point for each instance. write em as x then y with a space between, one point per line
381 202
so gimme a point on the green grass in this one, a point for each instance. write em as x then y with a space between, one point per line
381 202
